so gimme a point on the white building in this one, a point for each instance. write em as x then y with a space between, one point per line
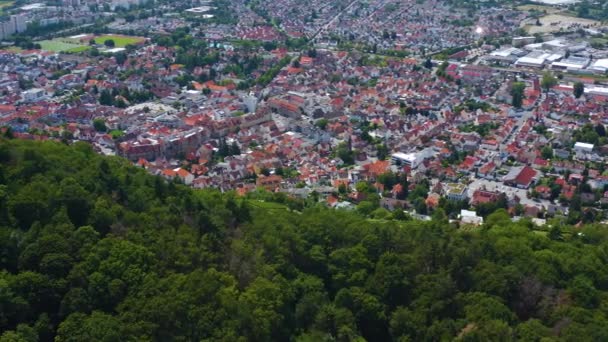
456 191
251 102
33 95
600 66
18 22
571 64
470 217
408 159
581 147
532 60
413 159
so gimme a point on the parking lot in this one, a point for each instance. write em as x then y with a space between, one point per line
509 191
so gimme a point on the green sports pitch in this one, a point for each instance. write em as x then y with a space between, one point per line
62 45
119 40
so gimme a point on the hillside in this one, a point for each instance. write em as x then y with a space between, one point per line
94 249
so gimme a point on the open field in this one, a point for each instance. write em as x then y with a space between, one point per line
119 40
540 8
14 49
62 45
4 4
555 22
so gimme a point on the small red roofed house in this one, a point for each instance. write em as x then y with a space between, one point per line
432 200
269 182
543 191
483 196
306 61
377 168
539 162
487 170
467 164
185 176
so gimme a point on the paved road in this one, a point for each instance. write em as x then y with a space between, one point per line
324 27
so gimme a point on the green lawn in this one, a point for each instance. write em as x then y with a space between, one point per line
119 41
60 45
4 4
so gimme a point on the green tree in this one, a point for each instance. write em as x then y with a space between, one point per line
517 93
97 326
579 89
548 81
546 152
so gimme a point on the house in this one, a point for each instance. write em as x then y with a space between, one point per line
583 148
482 196
470 217
182 174
521 177
456 191
487 170
185 176
543 191
392 203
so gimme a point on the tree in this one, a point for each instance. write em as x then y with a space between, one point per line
234 149
322 123
555 233
428 63
106 98
579 89
517 93
120 58
109 43
548 81
584 292
531 330
8 133
100 125
382 151
600 129
546 152
97 326
163 262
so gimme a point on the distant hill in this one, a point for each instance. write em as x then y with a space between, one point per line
93 249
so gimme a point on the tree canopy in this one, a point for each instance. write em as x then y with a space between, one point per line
93 248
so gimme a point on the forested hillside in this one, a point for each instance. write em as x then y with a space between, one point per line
92 249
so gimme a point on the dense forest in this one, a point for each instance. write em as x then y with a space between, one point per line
94 249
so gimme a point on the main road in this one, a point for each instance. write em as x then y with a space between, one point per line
332 20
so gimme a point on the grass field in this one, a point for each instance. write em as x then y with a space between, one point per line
555 22
540 8
14 49
119 40
62 45
4 4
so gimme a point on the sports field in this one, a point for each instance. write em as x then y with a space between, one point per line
62 45
119 40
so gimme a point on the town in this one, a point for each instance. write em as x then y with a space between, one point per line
395 109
